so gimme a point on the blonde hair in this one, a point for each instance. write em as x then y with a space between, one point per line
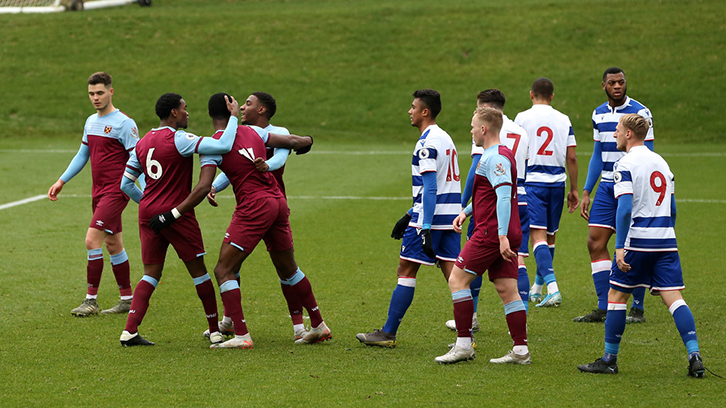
636 124
490 116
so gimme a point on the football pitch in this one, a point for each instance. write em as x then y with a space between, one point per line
344 71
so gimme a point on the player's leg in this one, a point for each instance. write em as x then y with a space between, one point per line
537 214
94 268
543 258
523 252
554 204
121 271
301 288
402 295
140 304
230 260
600 265
410 259
459 284
205 291
503 274
621 286
637 313
668 280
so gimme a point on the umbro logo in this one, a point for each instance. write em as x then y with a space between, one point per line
99 223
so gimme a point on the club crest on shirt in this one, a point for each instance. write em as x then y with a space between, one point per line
617 177
499 169
135 132
107 129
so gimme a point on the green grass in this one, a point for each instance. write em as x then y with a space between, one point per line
344 71
343 245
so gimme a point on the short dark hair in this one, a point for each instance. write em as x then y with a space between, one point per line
611 70
268 102
166 103
493 97
431 99
543 88
217 106
100 78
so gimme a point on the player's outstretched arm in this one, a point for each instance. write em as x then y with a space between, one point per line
300 144
206 176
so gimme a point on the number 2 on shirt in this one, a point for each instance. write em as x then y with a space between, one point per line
543 149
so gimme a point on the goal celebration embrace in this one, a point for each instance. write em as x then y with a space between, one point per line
523 176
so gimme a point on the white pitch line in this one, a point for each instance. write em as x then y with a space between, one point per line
24 201
228 196
376 152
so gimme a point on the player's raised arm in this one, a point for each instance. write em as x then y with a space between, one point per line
209 145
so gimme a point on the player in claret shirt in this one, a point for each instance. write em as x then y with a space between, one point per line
492 248
166 206
108 137
261 214
257 110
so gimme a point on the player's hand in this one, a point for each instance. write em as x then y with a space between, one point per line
585 205
620 260
400 227
427 243
459 221
161 221
55 189
573 200
305 148
506 250
261 165
210 197
232 105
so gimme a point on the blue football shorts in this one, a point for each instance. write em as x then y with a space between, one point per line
655 270
544 205
446 244
604 206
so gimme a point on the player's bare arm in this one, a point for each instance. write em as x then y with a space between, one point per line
211 197
573 199
585 205
459 221
55 189
261 165
300 144
620 259
506 250
206 176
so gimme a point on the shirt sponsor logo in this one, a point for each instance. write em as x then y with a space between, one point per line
107 129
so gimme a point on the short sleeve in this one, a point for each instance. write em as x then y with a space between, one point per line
129 135
186 143
622 178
